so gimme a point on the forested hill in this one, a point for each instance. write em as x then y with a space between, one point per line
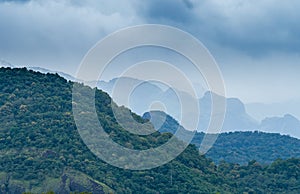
238 147
242 147
41 150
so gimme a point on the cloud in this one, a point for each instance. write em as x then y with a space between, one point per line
252 27
255 42
174 11
52 32
245 36
14 1
66 28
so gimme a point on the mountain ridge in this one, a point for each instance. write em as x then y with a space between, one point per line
39 141
236 117
236 147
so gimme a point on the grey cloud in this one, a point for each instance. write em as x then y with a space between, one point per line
188 3
256 28
72 27
244 35
54 32
174 11
15 1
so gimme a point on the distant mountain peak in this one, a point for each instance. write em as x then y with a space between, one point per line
290 116
287 124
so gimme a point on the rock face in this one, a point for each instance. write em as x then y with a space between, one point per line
9 187
70 182
78 182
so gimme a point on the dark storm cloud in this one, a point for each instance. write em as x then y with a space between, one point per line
174 11
188 3
252 28
255 28
246 37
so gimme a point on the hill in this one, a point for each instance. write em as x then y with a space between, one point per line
236 147
42 149
238 117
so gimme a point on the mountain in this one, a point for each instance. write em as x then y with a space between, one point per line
236 117
288 124
236 147
42 150
261 111
147 90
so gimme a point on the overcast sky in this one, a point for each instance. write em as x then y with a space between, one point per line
255 43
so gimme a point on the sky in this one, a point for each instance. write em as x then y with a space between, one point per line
255 42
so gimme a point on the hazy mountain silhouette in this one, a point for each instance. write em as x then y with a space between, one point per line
237 147
287 124
261 110
148 94
236 117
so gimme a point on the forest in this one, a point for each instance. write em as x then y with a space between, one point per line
42 151
238 147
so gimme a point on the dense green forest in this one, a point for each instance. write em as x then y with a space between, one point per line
237 147
41 150
242 147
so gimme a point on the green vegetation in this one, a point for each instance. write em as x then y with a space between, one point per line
238 147
42 151
242 147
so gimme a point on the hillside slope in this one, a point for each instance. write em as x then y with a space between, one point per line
42 150
237 147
